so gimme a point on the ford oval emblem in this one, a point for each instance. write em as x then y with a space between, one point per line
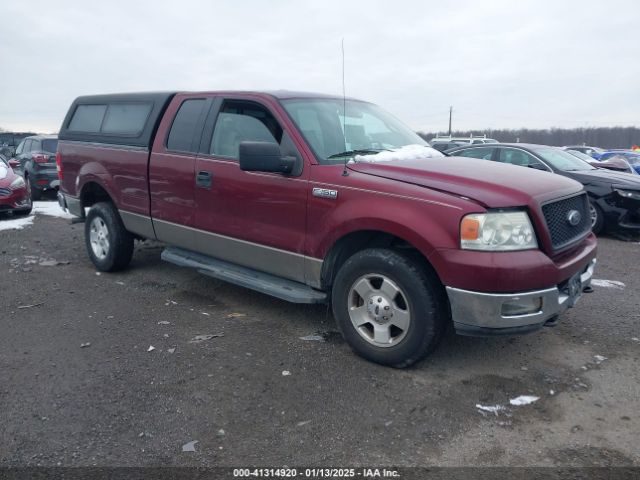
574 217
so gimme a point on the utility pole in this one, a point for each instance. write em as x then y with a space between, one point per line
450 113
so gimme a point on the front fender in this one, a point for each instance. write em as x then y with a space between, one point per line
423 224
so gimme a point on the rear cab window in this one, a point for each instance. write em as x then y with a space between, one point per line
87 118
115 118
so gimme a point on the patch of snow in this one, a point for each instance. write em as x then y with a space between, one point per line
607 283
408 152
313 338
205 337
490 408
523 400
52 209
599 359
16 223
190 446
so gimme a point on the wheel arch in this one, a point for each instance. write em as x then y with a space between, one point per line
350 243
93 192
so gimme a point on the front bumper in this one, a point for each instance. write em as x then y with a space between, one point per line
16 200
481 314
620 213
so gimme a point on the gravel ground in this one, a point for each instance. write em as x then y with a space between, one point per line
79 386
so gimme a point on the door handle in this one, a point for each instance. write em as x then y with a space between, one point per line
204 179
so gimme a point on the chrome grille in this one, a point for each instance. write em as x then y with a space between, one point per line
5 192
556 214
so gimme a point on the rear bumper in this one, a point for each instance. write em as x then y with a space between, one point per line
44 179
70 204
480 314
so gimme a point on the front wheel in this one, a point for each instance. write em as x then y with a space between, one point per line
389 307
597 218
109 244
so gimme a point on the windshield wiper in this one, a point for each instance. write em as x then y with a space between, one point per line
364 151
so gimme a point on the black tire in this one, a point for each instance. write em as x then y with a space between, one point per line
23 212
36 194
117 255
597 226
419 290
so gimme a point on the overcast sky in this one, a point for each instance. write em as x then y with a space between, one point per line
508 63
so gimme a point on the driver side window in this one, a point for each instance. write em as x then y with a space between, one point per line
240 121
518 157
481 153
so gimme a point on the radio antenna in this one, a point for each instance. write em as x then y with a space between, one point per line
345 172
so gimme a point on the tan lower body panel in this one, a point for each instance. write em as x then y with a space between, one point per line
282 263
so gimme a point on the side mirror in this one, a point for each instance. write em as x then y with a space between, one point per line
13 163
264 157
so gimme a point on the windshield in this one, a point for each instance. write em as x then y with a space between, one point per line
366 129
562 160
633 159
583 156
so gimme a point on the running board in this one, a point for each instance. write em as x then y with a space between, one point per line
245 277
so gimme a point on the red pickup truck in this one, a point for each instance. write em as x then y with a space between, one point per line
314 199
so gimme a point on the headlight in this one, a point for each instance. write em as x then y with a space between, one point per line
497 231
635 194
17 183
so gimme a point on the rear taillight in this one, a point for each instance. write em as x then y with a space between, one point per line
38 158
59 165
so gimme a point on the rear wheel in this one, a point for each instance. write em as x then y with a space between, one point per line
109 244
389 308
597 218
36 194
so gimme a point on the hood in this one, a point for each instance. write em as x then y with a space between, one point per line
606 176
6 176
492 184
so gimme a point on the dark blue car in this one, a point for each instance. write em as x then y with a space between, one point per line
632 156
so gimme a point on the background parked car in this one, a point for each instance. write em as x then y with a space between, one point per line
618 164
36 156
614 197
10 140
14 192
631 156
446 143
593 152
443 146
